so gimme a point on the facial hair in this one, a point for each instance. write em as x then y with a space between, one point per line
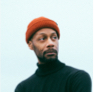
42 57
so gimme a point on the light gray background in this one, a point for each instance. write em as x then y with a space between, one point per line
75 20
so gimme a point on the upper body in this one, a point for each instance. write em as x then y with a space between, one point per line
51 76
56 77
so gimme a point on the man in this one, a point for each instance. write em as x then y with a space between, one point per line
42 37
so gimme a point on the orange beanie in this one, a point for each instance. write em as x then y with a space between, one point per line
39 23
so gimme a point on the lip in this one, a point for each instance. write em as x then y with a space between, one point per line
50 53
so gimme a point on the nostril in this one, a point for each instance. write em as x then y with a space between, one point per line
50 45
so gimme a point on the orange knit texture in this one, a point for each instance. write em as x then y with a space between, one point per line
39 23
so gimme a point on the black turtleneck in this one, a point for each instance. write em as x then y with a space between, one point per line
56 77
49 68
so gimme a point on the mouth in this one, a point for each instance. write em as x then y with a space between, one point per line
50 53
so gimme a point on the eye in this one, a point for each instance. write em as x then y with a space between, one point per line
41 39
54 37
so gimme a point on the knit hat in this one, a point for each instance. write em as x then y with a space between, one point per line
39 23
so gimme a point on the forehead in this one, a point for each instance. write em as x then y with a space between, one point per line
47 31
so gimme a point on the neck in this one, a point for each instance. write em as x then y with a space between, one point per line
48 68
47 61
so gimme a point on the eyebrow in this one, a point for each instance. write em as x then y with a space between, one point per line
44 33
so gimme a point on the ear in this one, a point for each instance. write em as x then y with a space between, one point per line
30 45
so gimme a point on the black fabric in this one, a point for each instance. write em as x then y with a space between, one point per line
56 77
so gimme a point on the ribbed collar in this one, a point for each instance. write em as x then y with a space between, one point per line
49 68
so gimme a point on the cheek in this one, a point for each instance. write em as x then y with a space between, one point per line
39 50
57 45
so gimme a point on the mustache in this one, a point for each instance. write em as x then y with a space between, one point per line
50 51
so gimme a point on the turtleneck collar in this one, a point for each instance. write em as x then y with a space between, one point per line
49 68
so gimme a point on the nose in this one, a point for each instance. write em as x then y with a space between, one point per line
50 43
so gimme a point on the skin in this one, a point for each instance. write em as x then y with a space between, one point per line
45 45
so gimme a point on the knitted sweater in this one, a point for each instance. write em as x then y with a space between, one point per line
56 77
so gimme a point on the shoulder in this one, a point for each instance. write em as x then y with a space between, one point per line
80 75
21 86
75 74
78 79
74 71
81 81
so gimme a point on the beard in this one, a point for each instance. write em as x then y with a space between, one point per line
43 57
48 58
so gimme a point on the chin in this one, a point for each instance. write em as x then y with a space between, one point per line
47 59
50 59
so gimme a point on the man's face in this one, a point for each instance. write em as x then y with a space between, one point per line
45 45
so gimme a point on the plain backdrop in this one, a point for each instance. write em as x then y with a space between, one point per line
75 20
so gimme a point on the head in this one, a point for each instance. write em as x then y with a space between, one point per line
44 41
45 45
